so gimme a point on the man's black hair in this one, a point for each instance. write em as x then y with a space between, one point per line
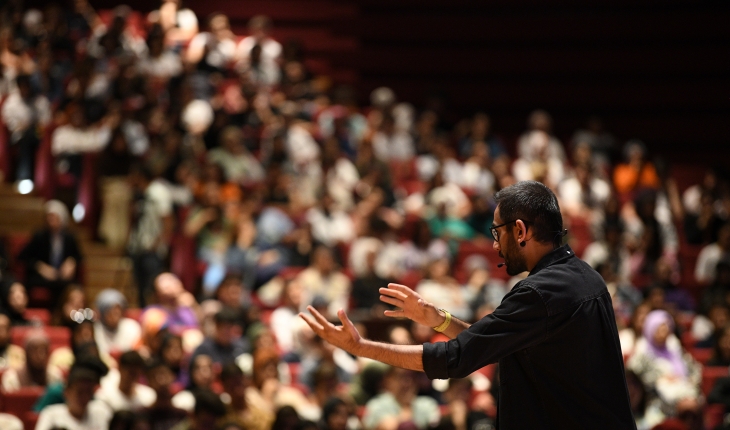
154 363
86 368
207 401
226 316
536 205
131 359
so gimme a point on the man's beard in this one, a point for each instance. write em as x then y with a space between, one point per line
514 260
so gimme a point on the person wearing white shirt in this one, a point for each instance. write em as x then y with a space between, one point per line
259 27
79 412
710 255
120 390
112 331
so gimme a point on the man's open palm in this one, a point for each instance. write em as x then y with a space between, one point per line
344 336
411 305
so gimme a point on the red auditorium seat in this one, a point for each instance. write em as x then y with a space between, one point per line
710 375
713 416
58 336
15 242
20 402
5 166
702 355
41 315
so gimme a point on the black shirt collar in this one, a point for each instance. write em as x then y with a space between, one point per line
555 256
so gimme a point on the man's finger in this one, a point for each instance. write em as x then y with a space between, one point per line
345 320
312 323
399 287
319 317
392 301
394 314
393 293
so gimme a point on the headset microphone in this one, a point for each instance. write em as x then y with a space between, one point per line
500 265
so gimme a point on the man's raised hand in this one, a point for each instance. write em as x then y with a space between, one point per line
344 336
411 305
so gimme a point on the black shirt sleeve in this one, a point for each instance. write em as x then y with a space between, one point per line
519 322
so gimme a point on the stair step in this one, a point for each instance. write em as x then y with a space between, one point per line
106 262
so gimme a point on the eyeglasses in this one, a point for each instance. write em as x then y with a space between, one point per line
495 232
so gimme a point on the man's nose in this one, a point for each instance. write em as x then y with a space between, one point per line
495 246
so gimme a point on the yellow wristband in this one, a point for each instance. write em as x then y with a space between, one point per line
444 325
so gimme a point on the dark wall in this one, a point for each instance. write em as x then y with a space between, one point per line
657 70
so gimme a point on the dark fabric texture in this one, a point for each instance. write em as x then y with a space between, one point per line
555 338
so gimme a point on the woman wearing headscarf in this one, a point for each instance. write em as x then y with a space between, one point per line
663 366
112 331
52 256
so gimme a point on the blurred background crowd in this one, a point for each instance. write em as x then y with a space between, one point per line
240 188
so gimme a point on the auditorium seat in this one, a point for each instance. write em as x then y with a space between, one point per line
58 336
20 402
710 374
43 316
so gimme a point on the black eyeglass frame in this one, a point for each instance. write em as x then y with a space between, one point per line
495 232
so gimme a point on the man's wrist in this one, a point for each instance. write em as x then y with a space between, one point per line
440 318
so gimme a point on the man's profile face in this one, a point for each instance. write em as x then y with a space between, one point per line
507 246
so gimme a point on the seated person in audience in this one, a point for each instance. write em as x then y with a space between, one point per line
179 23
14 303
318 353
708 326
486 292
172 354
330 225
71 300
674 295
721 349
114 332
209 409
259 29
179 306
52 256
610 250
10 422
121 390
664 367
227 343
541 160
636 172
647 411
82 343
629 336
269 394
80 411
710 255
365 287
162 415
336 415
584 195
11 356
719 290
399 404
460 411
285 322
36 372
202 377
323 279
239 411
440 287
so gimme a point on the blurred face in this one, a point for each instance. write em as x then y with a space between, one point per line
168 287
230 294
719 317
37 355
294 293
173 352
338 419
53 221
660 335
202 373
225 333
400 381
18 298
74 301
4 330
724 344
78 395
639 317
112 317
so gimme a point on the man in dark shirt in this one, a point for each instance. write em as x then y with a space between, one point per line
554 335
227 342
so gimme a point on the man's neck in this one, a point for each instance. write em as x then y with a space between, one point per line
535 253
77 413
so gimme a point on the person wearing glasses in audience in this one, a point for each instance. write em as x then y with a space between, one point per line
554 334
